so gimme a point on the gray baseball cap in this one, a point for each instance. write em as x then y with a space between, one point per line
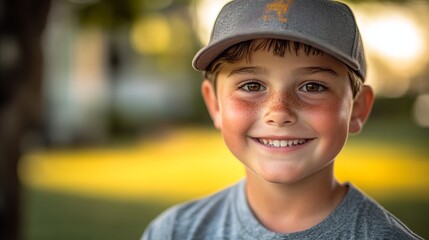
329 26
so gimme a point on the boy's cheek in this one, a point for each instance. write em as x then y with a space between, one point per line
328 118
239 110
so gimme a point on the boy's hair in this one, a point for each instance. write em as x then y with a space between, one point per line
278 47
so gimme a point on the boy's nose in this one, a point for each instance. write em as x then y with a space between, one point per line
280 112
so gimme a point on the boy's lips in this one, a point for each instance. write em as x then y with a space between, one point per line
278 143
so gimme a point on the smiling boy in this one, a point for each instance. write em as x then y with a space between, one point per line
284 83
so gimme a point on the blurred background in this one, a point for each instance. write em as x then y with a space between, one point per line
102 125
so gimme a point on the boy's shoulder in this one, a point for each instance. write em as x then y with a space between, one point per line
184 220
369 220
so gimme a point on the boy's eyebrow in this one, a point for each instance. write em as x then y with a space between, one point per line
251 70
312 70
303 70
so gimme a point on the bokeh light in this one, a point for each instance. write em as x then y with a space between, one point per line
395 36
395 40
421 110
206 13
151 34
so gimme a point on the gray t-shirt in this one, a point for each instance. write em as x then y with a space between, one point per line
226 215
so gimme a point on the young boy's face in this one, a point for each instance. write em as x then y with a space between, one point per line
285 118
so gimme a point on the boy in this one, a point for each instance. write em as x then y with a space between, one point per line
284 85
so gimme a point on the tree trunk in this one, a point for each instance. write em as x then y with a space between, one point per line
21 26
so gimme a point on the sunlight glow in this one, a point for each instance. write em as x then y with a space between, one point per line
206 12
396 37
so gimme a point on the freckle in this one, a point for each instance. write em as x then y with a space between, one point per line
298 104
287 99
246 107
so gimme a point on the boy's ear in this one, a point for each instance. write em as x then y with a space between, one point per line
361 108
212 104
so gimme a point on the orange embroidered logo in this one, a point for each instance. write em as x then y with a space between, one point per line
277 8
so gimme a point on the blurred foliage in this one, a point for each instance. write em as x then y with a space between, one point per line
110 13
113 14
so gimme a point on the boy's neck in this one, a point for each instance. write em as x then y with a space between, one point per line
294 207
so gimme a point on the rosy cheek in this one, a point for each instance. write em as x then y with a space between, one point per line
330 118
236 109
238 116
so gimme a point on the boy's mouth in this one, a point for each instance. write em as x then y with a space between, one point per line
282 143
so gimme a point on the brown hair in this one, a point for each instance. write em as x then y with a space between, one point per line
278 48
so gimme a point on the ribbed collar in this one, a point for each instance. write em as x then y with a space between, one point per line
253 229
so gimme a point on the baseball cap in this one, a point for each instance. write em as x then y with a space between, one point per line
329 26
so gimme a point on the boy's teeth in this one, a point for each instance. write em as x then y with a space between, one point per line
282 143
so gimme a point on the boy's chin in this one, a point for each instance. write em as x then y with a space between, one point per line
277 177
286 181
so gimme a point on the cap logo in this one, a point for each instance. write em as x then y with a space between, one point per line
277 9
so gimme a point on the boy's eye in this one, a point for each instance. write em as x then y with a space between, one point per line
312 87
252 87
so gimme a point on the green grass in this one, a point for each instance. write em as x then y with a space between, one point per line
50 215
